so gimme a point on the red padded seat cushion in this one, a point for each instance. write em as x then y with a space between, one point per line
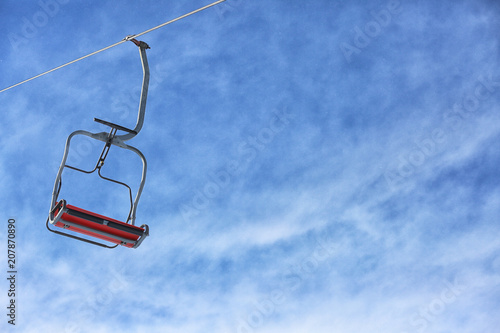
95 221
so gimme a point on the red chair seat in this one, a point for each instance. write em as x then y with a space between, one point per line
99 226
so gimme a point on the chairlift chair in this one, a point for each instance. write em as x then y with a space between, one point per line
81 221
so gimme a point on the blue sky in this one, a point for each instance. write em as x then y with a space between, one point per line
314 166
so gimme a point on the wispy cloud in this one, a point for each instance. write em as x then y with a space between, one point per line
289 189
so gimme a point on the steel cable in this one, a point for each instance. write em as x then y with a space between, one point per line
115 44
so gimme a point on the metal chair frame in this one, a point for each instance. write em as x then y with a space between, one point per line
58 207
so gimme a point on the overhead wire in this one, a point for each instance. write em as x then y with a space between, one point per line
115 44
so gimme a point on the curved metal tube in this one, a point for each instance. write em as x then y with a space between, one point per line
101 137
97 136
144 94
143 181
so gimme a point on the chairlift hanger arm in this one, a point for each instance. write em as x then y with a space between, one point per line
144 95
